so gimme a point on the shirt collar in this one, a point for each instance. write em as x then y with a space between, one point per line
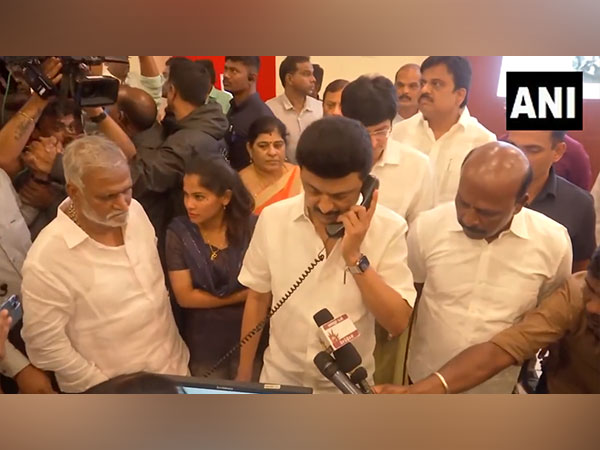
251 98
463 120
299 211
288 105
391 154
518 225
72 234
549 188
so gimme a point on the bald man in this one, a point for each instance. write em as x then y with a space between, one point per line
481 262
408 87
135 111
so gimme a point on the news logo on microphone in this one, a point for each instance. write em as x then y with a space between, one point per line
338 332
547 101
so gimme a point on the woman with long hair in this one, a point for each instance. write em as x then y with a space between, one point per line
204 251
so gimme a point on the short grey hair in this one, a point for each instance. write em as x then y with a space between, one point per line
90 152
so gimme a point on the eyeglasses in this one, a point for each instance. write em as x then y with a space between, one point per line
381 133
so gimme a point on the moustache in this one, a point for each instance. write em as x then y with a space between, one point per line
425 97
117 215
330 215
404 97
472 230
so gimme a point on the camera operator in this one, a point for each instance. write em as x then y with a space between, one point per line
41 185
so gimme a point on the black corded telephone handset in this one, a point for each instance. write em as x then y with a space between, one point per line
371 183
333 230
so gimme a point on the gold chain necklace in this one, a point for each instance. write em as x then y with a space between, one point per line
214 251
72 213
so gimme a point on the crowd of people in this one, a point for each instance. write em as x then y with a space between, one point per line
149 241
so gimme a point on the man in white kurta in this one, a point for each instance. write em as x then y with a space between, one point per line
287 239
483 262
94 308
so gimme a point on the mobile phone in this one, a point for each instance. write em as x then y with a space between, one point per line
368 188
14 308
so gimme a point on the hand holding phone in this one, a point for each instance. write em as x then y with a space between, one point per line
369 186
12 306
356 223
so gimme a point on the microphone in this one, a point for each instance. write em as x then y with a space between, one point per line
359 376
331 371
347 356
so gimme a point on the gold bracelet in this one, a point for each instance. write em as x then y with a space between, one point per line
443 380
26 116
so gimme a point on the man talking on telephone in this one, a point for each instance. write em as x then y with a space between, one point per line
363 271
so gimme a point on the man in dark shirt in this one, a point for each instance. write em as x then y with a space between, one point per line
239 78
554 196
198 130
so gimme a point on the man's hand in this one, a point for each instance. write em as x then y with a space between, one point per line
32 380
92 111
5 321
52 70
38 195
391 389
356 223
41 153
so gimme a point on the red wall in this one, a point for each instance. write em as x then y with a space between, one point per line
489 109
266 75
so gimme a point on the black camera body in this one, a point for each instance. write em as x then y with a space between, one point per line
86 90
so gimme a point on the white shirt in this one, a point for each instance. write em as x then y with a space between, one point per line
405 180
15 241
295 123
475 289
284 244
397 119
152 85
448 152
93 312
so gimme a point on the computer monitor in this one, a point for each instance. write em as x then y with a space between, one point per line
194 385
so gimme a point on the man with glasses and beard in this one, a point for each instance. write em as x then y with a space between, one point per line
94 297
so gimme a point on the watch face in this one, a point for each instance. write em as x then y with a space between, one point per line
363 263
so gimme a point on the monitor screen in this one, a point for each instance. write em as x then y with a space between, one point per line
198 390
196 385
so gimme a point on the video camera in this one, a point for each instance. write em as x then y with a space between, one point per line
85 90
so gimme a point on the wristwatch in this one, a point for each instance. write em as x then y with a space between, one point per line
361 265
99 118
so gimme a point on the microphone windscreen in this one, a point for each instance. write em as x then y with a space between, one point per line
347 358
358 375
322 317
325 364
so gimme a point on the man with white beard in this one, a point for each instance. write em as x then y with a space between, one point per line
95 304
